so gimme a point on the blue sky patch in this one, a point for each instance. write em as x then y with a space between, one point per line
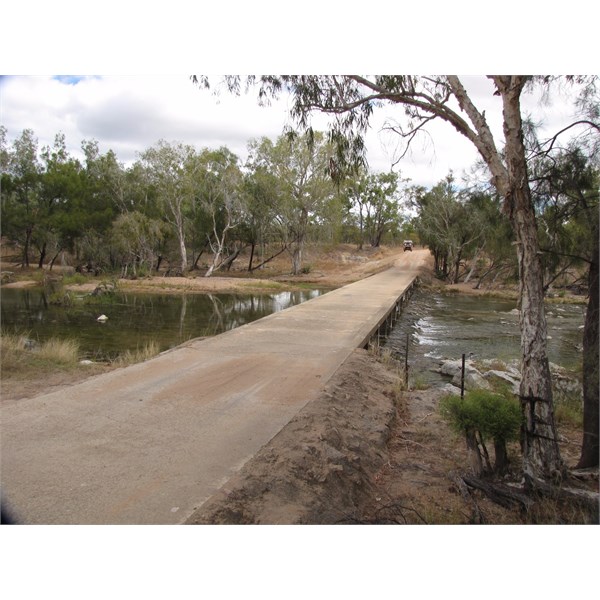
69 79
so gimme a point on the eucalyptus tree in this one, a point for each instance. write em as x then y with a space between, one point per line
354 194
352 99
451 225
382 204
170 170
135 241
220 190
261 229
494 254
60 215
299 166
374 198
21 190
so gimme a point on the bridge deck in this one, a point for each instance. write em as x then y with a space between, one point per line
151 442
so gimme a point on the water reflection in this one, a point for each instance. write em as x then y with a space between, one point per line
135 319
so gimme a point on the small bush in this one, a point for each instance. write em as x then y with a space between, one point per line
495 416
61 298
481 416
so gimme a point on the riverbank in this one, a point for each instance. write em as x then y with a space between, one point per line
324 268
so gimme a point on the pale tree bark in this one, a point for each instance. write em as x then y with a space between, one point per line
541 456
182 247
232 209
540 446
298 246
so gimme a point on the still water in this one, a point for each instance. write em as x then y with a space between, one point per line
135 319
444 326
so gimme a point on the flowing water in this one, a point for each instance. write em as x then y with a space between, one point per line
445 326
136 319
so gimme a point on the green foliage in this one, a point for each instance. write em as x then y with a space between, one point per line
459 227
494 416
373 202
293 176
61 298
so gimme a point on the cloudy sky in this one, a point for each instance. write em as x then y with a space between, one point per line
130 113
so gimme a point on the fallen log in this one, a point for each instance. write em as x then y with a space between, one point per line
500 494
477 516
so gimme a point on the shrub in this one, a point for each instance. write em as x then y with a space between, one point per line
483 415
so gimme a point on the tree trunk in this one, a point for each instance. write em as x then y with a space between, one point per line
361 228
299 244
474 454
500 456
253 246
473 264
297 257
589 448
42 256
541 456
28 233
182 250
454 278
54 259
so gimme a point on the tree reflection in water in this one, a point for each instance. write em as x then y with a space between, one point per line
136 319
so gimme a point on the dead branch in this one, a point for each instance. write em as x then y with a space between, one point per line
499 493
477 516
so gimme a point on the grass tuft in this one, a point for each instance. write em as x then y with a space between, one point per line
20 354
130 357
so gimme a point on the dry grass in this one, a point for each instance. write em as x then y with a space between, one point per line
131 357
19 355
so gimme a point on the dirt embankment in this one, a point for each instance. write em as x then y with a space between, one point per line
317 469
368 452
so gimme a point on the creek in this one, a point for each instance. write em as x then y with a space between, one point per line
136 319
444 326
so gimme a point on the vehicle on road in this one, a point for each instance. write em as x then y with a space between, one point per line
408 245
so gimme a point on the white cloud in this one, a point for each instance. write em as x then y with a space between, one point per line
129 114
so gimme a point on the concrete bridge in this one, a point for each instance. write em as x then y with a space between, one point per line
151 442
